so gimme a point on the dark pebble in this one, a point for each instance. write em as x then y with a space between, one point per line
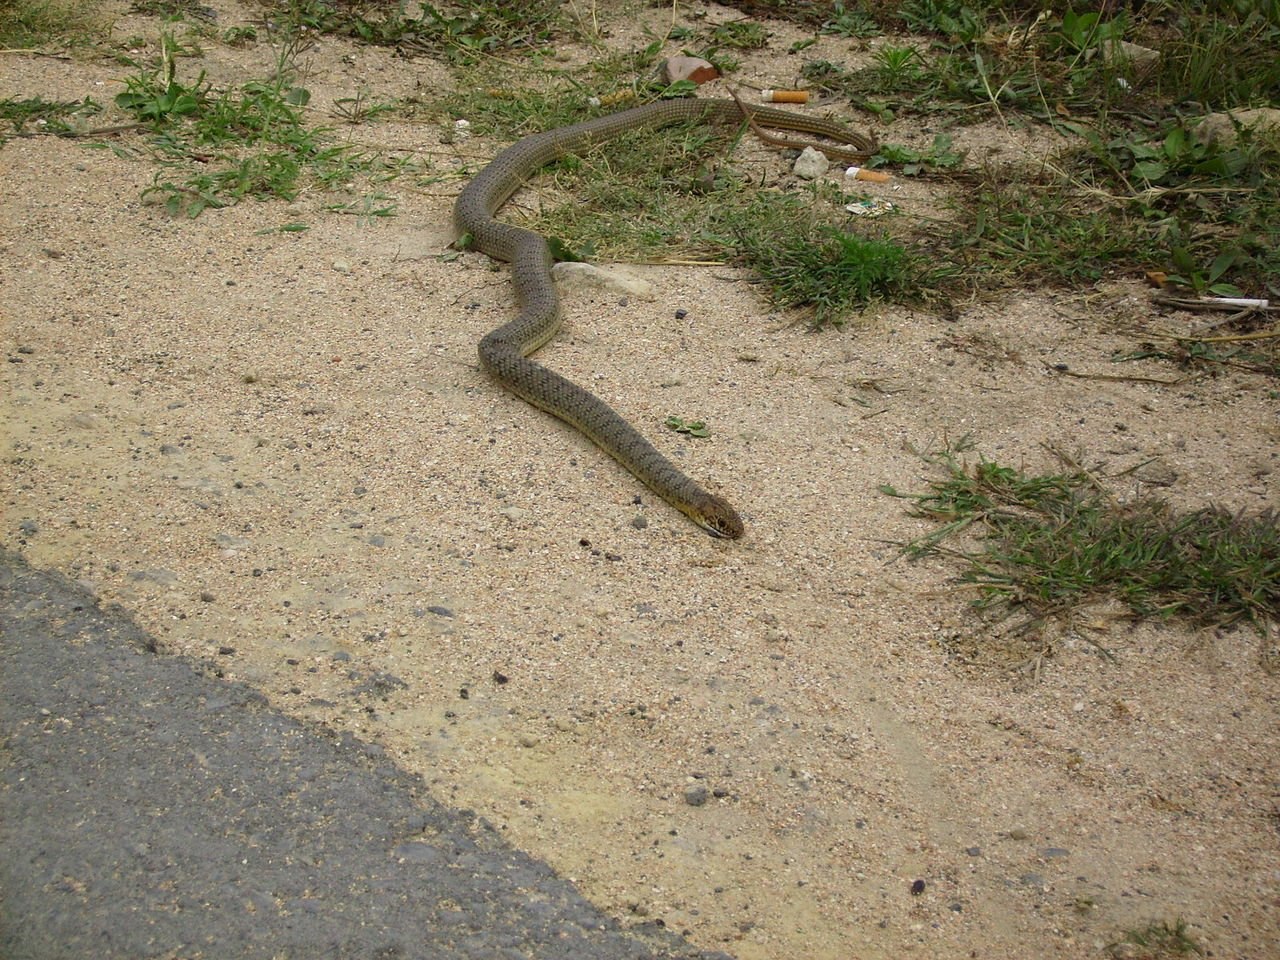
1053 853
696 794
342 656
974 851
440 611
917 888
681 314
226 651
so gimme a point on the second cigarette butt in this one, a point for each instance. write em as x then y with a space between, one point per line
871 176
784 96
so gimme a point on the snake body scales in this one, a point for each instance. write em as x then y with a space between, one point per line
504 352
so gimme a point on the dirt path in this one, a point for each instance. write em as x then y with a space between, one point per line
276 449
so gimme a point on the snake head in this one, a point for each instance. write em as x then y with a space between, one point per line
717 518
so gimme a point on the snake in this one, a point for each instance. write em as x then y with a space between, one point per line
504 352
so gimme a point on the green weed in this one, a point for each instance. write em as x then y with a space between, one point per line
740 35
845 22
910 163
691 428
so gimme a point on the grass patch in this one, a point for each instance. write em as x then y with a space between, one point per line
1141 189
464 30
1157 941
36 23
218 147
830 269
37 115
1051 544
1032 230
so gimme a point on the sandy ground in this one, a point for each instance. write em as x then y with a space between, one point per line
278 452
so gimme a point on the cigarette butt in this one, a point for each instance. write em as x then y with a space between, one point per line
784 96
1239 302
862 173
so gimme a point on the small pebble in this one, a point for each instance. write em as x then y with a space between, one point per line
696 794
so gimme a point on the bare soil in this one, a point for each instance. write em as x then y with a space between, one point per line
276 450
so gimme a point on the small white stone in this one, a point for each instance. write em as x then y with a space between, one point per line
573 274
811 164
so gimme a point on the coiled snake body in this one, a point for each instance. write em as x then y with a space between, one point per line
504 352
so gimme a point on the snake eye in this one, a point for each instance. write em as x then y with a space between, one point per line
726 526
